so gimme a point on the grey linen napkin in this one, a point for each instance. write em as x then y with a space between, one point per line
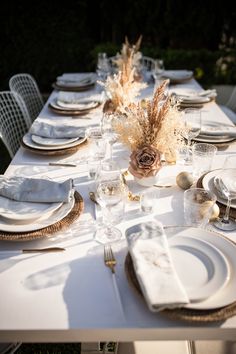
55 131
35 189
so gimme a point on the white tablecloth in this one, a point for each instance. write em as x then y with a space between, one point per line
70 296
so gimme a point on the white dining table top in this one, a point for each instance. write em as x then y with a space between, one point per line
69 296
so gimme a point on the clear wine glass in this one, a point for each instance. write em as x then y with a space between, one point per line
192 122
103 66
108 132
225 184
110 194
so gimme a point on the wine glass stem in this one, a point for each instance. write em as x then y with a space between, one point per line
110 151
188 149
226 216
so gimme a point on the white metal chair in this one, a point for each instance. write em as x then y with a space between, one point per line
26 86
230 106
147 63
14 120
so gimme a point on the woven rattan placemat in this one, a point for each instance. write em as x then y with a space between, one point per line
214 315
222 207
49 230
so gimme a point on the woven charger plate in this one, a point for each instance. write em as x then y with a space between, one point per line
51 229
222 207
185 314
58 152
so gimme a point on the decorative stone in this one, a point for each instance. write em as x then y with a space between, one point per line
184 180
215 212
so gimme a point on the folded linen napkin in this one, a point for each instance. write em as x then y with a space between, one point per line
54 131
35 189
154 268
219 131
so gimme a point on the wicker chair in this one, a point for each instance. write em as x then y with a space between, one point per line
14 120
26 86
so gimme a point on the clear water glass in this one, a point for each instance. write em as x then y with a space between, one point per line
202 156
107 129
192 122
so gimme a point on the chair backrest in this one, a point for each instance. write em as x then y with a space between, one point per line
26 86
147 63
14 120
231 103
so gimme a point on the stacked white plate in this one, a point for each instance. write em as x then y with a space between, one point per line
18 217
205 263
42 143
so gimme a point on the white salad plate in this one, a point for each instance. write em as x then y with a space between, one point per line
27 139
45 220
209 185
52 142
209 267
79 105
25 211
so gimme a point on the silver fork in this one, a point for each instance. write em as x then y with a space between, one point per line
109 258
110 262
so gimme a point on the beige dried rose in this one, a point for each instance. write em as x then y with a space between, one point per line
145 162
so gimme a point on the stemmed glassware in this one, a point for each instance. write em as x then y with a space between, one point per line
225 184
110 194
107 129
192 122
103 66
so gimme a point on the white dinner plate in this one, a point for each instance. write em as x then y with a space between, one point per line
212 139
208 184
209 267
177 75
51 142
25 211
227 294
194 100
40 223
27 139
80 105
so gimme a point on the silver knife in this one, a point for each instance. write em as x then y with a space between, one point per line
64 164
35 250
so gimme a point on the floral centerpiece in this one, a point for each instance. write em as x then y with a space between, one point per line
150 132
122 88
128 52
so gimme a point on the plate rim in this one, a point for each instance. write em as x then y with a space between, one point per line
67 207
71 140
37 216
28 142
218 253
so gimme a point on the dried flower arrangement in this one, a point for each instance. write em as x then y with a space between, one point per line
129 51
122 88
150 132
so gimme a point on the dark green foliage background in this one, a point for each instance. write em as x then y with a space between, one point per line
47 38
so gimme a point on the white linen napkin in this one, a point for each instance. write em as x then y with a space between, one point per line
154 268
54 131
229 131
35 189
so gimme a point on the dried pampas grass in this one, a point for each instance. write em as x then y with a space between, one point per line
159 124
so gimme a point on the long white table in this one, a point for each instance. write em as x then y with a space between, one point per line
69 296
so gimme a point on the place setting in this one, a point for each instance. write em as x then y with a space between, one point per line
183 272
75 82
187 97
177 76
71 103
215 133
222 183
33 208
48 137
